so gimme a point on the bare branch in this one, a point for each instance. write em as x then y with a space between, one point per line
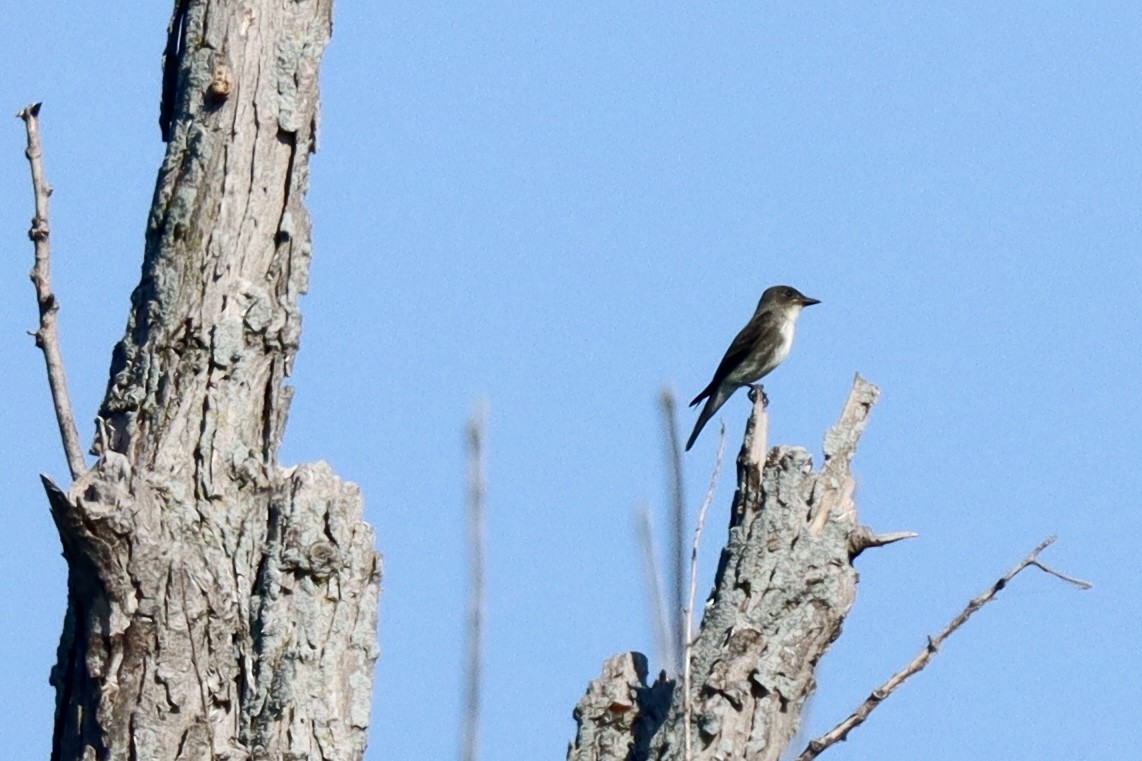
664 640
477 479
862 538
1081 584
689 620
877 696
47 335
678 525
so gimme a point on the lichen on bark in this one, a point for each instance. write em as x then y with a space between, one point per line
220 605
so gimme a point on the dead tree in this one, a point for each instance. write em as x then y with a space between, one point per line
219 605
785 583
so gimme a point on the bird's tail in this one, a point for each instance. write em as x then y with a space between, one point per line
713 404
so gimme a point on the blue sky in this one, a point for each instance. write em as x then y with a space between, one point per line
562 208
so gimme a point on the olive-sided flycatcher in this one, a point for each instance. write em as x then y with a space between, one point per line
762 345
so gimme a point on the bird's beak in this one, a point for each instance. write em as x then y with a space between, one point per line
808 302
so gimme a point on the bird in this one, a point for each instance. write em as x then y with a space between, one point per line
762 345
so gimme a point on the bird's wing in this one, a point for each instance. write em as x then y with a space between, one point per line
764 328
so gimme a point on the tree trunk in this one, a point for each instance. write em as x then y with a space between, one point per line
219 606
784 585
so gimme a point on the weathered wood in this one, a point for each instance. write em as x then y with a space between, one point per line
219 605
784 585
619 714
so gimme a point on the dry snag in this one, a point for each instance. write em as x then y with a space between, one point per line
219 605
785 583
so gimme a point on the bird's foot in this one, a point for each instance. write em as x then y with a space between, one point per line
756 390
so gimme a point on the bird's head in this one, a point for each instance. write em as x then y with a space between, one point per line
786 298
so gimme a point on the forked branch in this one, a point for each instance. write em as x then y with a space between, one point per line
877 696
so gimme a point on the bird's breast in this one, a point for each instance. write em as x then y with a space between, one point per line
786 342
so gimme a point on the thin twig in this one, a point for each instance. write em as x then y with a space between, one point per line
477 480
841 731
663 633
1081 584
687 701
47 335
678 522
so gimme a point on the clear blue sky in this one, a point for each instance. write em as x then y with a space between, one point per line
562 209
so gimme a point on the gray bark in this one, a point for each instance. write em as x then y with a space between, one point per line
219 605
784 585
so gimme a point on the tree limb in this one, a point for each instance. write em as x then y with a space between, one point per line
877 696
47 335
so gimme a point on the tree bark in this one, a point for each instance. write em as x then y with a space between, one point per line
219 605
784 585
